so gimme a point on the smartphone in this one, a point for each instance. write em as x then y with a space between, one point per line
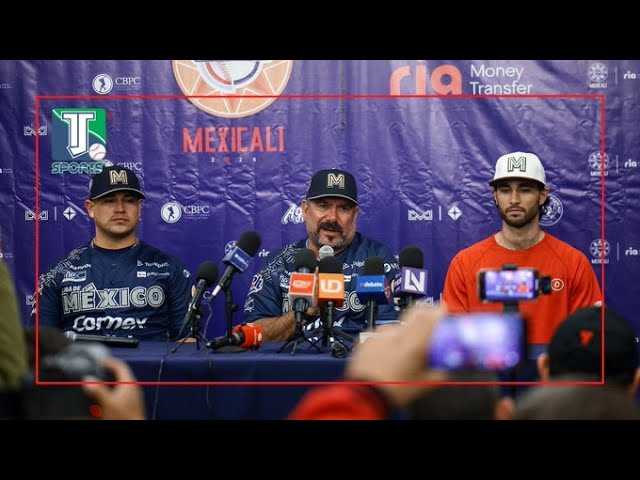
478 341
508 285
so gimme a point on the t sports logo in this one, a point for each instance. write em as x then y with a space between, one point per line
79 139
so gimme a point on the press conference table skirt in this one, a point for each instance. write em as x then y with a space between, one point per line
200 384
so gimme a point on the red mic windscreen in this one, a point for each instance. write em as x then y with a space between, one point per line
252 335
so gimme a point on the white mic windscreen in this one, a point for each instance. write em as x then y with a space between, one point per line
325 251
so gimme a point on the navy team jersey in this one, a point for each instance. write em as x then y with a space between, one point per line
269 292
137 291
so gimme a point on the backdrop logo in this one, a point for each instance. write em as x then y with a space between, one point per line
292 215
415 216
69 213
444 80
79 139
598 73
43 215
102 84
552 213
30 130
171 212
498 80
597 163
232 77
599 252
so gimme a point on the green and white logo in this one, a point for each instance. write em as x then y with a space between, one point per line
79 140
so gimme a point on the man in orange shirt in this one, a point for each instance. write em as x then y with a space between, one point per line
519 192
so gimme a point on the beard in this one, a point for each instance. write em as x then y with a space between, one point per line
522 222
333 227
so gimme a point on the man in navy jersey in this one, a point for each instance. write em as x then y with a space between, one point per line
116 284
330 211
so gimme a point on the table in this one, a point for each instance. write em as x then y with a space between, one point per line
245 396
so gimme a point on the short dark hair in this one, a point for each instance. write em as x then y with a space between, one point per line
458 402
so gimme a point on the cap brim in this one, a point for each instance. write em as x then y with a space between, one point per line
119 189
331 195
491 182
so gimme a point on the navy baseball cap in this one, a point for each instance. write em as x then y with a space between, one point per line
114 179
333 183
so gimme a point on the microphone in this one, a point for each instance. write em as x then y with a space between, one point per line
238 259
245 335
330 292
330 283
411 281
372 288
207 274
302 283
106 339
325 251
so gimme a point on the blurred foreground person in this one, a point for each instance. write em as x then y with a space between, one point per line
576 349
396 355
575 402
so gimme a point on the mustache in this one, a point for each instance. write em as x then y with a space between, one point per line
333 226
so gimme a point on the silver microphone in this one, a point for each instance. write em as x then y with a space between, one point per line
325 251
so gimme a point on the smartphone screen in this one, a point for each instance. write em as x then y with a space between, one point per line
478 341
508 285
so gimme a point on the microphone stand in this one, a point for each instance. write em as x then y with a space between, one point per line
372 310
194 332
229 307
298 335
511 306
329 332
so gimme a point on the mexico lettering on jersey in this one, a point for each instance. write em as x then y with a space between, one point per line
138 291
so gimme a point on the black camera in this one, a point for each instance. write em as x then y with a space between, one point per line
75 362
71 364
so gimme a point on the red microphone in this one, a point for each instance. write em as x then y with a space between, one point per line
248 334
245 335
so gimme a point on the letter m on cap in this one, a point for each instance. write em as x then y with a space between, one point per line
118 177
514 163
334 180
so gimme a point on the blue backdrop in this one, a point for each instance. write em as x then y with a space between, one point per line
421 137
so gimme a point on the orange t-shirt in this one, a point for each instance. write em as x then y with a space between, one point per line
573 281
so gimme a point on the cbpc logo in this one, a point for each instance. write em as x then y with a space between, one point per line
171 212
599 252
598 73
552 213
598 163
79 139
102 84
216 78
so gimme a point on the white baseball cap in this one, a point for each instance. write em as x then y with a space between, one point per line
519 165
